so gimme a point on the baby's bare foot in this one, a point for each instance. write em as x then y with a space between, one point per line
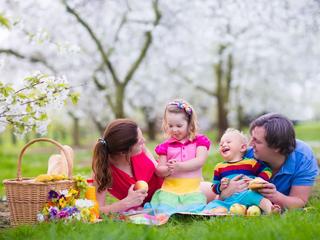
275 209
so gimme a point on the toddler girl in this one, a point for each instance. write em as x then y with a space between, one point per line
181 158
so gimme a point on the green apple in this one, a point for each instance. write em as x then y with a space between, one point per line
253 211
238 209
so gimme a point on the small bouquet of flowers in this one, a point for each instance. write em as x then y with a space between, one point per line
65 206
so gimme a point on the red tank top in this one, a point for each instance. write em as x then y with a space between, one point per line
143 169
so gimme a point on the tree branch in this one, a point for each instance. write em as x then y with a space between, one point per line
32 59
146 45
98 43
15 115
201 88
109 100
98 84
97 123
96 80
28 87
116 37
205 90
102 88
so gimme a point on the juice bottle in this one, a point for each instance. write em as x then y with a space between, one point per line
91 195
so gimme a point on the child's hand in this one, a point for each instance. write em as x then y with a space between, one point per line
246 178
173 166
163 171
224 183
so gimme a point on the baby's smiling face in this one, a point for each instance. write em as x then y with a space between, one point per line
232 147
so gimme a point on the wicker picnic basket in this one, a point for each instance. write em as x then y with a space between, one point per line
27 197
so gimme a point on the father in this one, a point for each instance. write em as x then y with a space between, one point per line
294 166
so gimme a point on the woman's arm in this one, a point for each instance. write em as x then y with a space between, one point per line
192 164
162 169
133 199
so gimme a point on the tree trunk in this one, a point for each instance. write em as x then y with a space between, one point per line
151 130
240 117
120 95
76 132
220 95
223 88
13 138
223 123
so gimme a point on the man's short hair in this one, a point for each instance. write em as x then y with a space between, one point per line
279 131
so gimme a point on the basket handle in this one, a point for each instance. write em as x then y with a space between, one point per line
19 178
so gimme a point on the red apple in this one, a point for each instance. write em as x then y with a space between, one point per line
141 185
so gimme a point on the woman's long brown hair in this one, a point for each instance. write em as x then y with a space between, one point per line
119 136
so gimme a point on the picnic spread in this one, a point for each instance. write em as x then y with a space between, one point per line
58 196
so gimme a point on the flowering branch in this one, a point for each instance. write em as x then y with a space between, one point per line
26 108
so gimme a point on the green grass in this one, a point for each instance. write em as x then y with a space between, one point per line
298 224
308 131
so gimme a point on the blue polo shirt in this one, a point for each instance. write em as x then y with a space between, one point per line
299 169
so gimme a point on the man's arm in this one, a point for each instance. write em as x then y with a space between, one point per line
297 198
236 184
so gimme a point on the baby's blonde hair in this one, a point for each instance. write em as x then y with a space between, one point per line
243 137
182 106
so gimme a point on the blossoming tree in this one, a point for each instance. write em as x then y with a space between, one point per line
25 107
127 55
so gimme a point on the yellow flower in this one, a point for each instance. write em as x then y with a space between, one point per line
45 210
62 202
72 202
85 212
73 192
93 218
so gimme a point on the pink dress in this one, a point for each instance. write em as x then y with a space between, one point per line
182 152
180 191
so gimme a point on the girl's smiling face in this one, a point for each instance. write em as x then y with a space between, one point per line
177 126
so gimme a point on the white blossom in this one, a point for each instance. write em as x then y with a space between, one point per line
84 203
40 217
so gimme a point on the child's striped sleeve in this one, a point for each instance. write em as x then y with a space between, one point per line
216 181
264 171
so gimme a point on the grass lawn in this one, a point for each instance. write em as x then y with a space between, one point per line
298 224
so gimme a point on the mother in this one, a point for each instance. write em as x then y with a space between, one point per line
120 159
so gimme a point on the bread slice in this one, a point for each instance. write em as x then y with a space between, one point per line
256 183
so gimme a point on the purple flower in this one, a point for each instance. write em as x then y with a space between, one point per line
63 214
70 210
53 194
53 211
